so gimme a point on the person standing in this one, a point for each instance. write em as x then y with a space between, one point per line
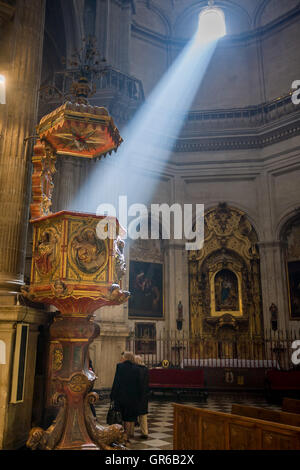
144 394
93 409
126 391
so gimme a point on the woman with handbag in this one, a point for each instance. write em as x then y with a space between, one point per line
126 391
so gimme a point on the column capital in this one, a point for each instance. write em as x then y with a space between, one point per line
18 313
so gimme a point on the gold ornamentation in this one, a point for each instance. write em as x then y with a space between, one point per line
88 251
60 289
42 185
46 254
57 359
78 383
224 276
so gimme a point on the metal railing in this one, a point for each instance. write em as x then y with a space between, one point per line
111 79
247 117
274 351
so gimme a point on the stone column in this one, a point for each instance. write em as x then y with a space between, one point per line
274 286
106 352
178 285
25 41
126 37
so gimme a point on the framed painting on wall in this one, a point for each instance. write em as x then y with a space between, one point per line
294 289
146 287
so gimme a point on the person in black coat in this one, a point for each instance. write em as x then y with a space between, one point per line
144 395
126 391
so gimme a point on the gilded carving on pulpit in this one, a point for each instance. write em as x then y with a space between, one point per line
88 251
46 254
57 359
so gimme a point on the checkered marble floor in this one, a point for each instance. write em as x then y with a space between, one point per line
160 418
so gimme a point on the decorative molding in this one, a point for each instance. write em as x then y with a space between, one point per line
238 143
241 128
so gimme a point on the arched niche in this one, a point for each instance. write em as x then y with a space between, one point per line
224 277
290 236
2 353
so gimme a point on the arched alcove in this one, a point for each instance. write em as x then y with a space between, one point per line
224 277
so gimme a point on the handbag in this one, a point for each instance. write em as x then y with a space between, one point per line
113 416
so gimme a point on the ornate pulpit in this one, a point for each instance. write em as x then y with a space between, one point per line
75 271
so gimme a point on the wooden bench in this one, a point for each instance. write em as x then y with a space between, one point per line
177 380
292 419
291 405
199 429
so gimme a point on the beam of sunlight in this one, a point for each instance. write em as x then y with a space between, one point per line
150 136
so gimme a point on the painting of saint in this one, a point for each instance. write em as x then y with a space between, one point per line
226 291
294 282
46 252
146 287
89 251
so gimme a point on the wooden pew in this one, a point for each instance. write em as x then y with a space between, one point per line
199 429
292 419
291 405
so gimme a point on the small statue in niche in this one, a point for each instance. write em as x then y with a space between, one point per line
180 316
274 316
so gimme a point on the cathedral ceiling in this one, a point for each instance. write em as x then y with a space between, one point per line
178 18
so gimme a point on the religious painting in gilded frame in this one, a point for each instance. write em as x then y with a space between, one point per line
226 293
146 287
